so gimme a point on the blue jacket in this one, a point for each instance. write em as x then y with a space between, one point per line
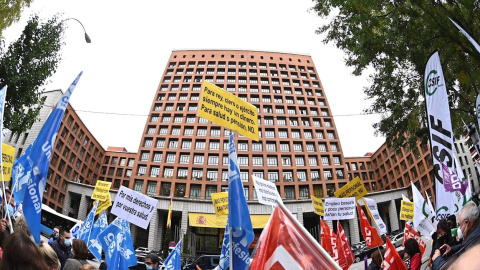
63 252
457 249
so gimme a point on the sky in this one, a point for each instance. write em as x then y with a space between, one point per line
132 42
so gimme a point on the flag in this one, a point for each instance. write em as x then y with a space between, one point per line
238 215
75 230
408 233
421 222
94 245
21 172
345 250
462 199
87 225
116 241
369 233
173 261
329 239
225 255
39 159
441 134
284 244
169 216
451 181
392 260
430 213
474 43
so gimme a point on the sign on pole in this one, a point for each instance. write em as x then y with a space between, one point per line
406 211
354 188
134 207
220 203
267 192
228 110
318 206
372 210
103 205
102 191
339 208
8 153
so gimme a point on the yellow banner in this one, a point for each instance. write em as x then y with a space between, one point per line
406 211
228 110
354 188
103 205
102 191
212 221
8 153
318 206
220 203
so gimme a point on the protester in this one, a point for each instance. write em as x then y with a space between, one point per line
80 254
49 255
103 266
376 262
5 221
152 262
21 253
62 246
468 259
413 250
441 237
468 230
54 235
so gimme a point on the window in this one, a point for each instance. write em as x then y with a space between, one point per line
214 145
242 146
170 158
163 131
154 171
142 170
215 132
200 145
286 161
300 161
312 160
145 156
273 176
336 160
213 160
242 161
257 161
202 132
209 190
284 147
138 185
168 173
195 191
186 144
289 193
303 192
315 174
322 147
297 147
271 147
325 161
152 187
310 147
188 131
198 159
212 175
283 134
148 143
272 161
197 174
173 144
327 174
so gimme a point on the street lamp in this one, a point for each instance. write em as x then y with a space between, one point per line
87 38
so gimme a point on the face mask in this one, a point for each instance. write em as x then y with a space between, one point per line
149 267
68 242
9 208
459 233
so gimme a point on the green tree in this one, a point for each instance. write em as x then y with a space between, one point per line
396 38
25 66
10 11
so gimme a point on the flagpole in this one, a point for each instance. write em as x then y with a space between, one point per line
229 224
308 235
1 154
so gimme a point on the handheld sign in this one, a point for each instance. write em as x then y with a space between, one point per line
354 188
267 192
102 191
372 210
228 110
406 211
318 206
134 207
339 208
103 205
220 203
8 153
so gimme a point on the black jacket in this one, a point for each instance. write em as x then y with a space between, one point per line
62 251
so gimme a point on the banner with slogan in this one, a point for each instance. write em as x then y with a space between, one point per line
103 205
134 207
267 192
101 191
212 221
372 210
339 208
354 188
8 153
318 206
228 110
406 211
408 233
220 203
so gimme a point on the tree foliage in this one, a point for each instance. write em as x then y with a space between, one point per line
396 38
25 66
10 11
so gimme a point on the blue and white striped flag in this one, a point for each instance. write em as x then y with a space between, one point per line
238 215
173 261
87 225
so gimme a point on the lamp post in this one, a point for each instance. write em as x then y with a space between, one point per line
87 38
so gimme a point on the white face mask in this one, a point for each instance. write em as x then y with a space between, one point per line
459 233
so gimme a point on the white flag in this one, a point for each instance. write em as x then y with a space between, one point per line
421 222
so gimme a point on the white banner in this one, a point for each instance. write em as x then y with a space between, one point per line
477 106
267 192
372 208
339 208
422 217
441 134
134 207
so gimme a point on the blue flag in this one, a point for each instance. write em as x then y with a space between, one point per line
39 159
116 241
21 172
225 255
173 262
87 225
238 214
93 244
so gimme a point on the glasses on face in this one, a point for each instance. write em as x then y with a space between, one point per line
149 263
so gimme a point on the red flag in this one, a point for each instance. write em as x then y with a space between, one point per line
369 233
410 232
345 253
283 245
392 259
329 239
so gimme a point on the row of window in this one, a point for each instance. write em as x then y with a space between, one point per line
233 71
233 64
241 80
243 88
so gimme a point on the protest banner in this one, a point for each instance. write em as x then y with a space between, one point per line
406 211
339 208
318 206
101 191
354 188
267 192
372 210
220 203
228 110
103 205
8 153
134 207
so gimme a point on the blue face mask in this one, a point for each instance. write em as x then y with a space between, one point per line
9 208
68 242
149 267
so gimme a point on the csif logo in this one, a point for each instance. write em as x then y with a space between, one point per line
432 82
